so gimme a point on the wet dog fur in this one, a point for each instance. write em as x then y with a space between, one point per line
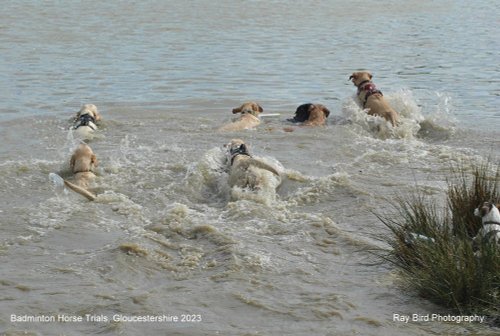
244 170
249 117
82 163
311 115
86 120
372 99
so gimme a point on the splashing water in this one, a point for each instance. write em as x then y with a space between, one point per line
413 122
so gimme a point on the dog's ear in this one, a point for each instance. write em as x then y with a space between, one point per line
237 110
259 108
93 160
325 110
370 75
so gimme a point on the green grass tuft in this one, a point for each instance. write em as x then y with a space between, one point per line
441 264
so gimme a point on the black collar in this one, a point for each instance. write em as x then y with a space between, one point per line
491 223
241 150
85 120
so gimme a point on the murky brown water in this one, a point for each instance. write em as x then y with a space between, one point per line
164 238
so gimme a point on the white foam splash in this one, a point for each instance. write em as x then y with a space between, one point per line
210 174
439 122
56 180
413 122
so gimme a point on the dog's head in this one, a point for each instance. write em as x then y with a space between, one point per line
484 209
360 77
91 110
305 111
236 147
249 107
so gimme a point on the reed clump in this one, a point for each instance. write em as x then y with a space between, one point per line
432 244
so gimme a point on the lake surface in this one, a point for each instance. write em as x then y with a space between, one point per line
166 236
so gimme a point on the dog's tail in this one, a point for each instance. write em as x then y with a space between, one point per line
80 190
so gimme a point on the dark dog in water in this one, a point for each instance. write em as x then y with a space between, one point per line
311 115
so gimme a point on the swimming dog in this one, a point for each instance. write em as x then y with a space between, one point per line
85 122
371 98
490 231
249 117
82 163
311 114
246 171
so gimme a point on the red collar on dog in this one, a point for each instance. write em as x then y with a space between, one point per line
362 83
370 89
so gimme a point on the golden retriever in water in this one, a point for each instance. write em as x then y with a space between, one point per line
85 122
246 171
249 117
371 98
82 163
311 115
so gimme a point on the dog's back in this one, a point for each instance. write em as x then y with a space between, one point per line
247 171
82 163
83 159
371 98
85 123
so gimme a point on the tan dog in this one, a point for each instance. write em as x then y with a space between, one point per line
311 115
82 163
371 98
249 117
85 122
246 171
